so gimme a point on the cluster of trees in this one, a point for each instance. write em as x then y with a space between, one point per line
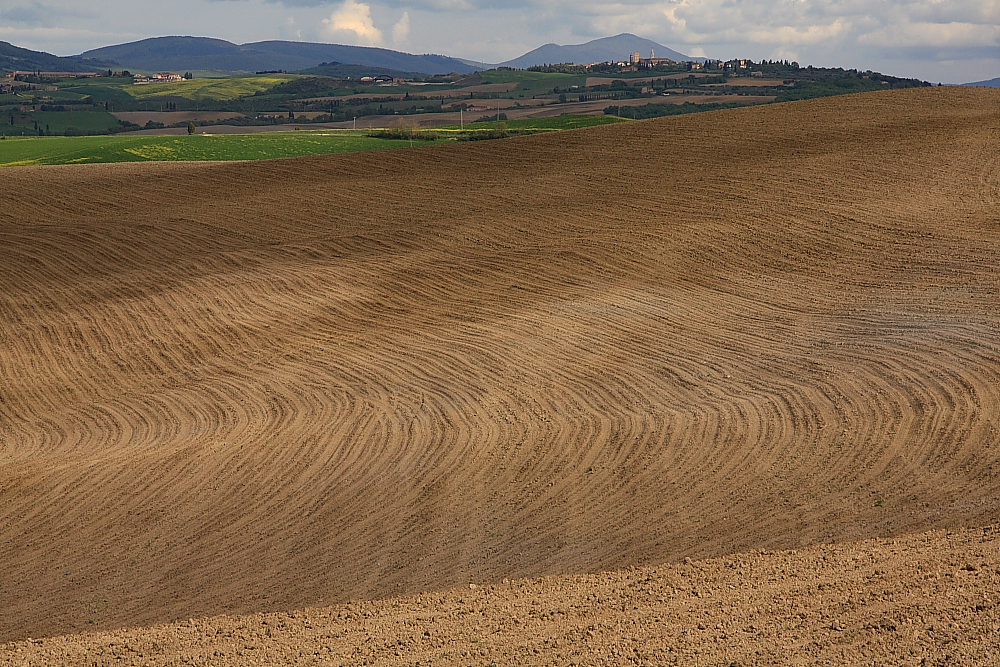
845 82
660 110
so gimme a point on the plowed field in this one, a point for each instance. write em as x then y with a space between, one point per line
926 599
259 387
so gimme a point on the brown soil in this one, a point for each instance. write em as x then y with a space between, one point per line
539 110
921 600
260 387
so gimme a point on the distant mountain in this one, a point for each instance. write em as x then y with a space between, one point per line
605 49
14 58
992 83
204 53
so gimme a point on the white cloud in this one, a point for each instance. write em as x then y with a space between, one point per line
934 35
401 30
805 34
290 30
354 17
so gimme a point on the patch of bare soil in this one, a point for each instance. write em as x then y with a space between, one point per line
927 599
261 387
540 110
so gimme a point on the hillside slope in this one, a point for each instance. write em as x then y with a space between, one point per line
265 386
204 53
990 83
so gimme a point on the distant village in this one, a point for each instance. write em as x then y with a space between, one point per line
634 63
162 77
138 79
637 62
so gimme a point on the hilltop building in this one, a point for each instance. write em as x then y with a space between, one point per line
53 75
652 61
162 77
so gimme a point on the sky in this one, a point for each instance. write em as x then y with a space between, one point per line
950 41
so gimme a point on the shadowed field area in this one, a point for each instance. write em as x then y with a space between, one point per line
919 600
267 386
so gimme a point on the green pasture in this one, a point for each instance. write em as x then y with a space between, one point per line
228 88
86 120
507 76
98 93
18 151
83 120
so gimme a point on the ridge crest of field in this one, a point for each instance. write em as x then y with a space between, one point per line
232 388
919 596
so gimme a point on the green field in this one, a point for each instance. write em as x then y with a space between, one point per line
79 120
521 76
16 151
228 88
19 151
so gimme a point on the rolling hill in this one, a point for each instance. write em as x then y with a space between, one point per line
990 83
363 380
619 47
14 58
204 53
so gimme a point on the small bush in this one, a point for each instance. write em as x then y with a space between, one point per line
494 133
402 133
491 119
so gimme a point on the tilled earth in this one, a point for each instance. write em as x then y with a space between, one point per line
242 388
926 599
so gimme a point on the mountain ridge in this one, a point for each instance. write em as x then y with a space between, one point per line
207 53
15 58
617 47
179 53
989 83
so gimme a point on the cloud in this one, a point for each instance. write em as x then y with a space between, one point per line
401 30
30 15
290 30
803 34
933 35
432 5
36 14
354 17
295 3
